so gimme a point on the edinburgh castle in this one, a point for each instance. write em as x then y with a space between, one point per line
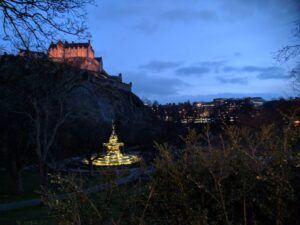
82 56
77 54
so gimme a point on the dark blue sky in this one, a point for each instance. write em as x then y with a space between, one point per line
178 50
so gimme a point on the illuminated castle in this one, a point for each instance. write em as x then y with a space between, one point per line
80 55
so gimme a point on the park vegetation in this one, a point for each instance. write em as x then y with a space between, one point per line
241 176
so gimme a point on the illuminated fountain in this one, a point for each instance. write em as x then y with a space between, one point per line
113 156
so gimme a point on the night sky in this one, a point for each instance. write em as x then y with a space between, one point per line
178 50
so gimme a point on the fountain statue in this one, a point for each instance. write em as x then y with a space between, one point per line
113 156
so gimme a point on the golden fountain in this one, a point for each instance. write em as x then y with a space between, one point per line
113 156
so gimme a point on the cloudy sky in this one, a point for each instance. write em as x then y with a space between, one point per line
178 50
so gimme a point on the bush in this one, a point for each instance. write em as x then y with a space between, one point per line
249 177
243 176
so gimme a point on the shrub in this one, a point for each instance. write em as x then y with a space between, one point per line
243 176
249 177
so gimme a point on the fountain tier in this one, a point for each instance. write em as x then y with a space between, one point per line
113 156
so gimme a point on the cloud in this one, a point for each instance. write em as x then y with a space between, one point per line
234 80
110 11
153 11
238 10
213 65
237 54
188 14
154 87
159 66
273 73
147 27
252 69
255 69
192 70
264 73
152 22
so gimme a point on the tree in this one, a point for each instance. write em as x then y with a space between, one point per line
295 74
28 23
292 52
40 97
15 149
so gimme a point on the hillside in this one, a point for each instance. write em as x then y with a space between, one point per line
37 95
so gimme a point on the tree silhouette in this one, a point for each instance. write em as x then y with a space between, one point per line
28 23
292 52
39 98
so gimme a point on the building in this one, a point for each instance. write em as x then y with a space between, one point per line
80 55
257 101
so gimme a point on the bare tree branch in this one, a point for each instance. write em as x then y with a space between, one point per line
292 52
42 20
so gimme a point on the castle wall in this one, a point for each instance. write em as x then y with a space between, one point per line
82 52
57 52
82 56
71 52
79 56
90 53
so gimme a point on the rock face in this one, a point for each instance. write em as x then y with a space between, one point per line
90 102
103 103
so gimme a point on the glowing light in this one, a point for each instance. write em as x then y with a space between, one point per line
113 156
297 123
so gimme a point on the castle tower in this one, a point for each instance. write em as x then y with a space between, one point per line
79 55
